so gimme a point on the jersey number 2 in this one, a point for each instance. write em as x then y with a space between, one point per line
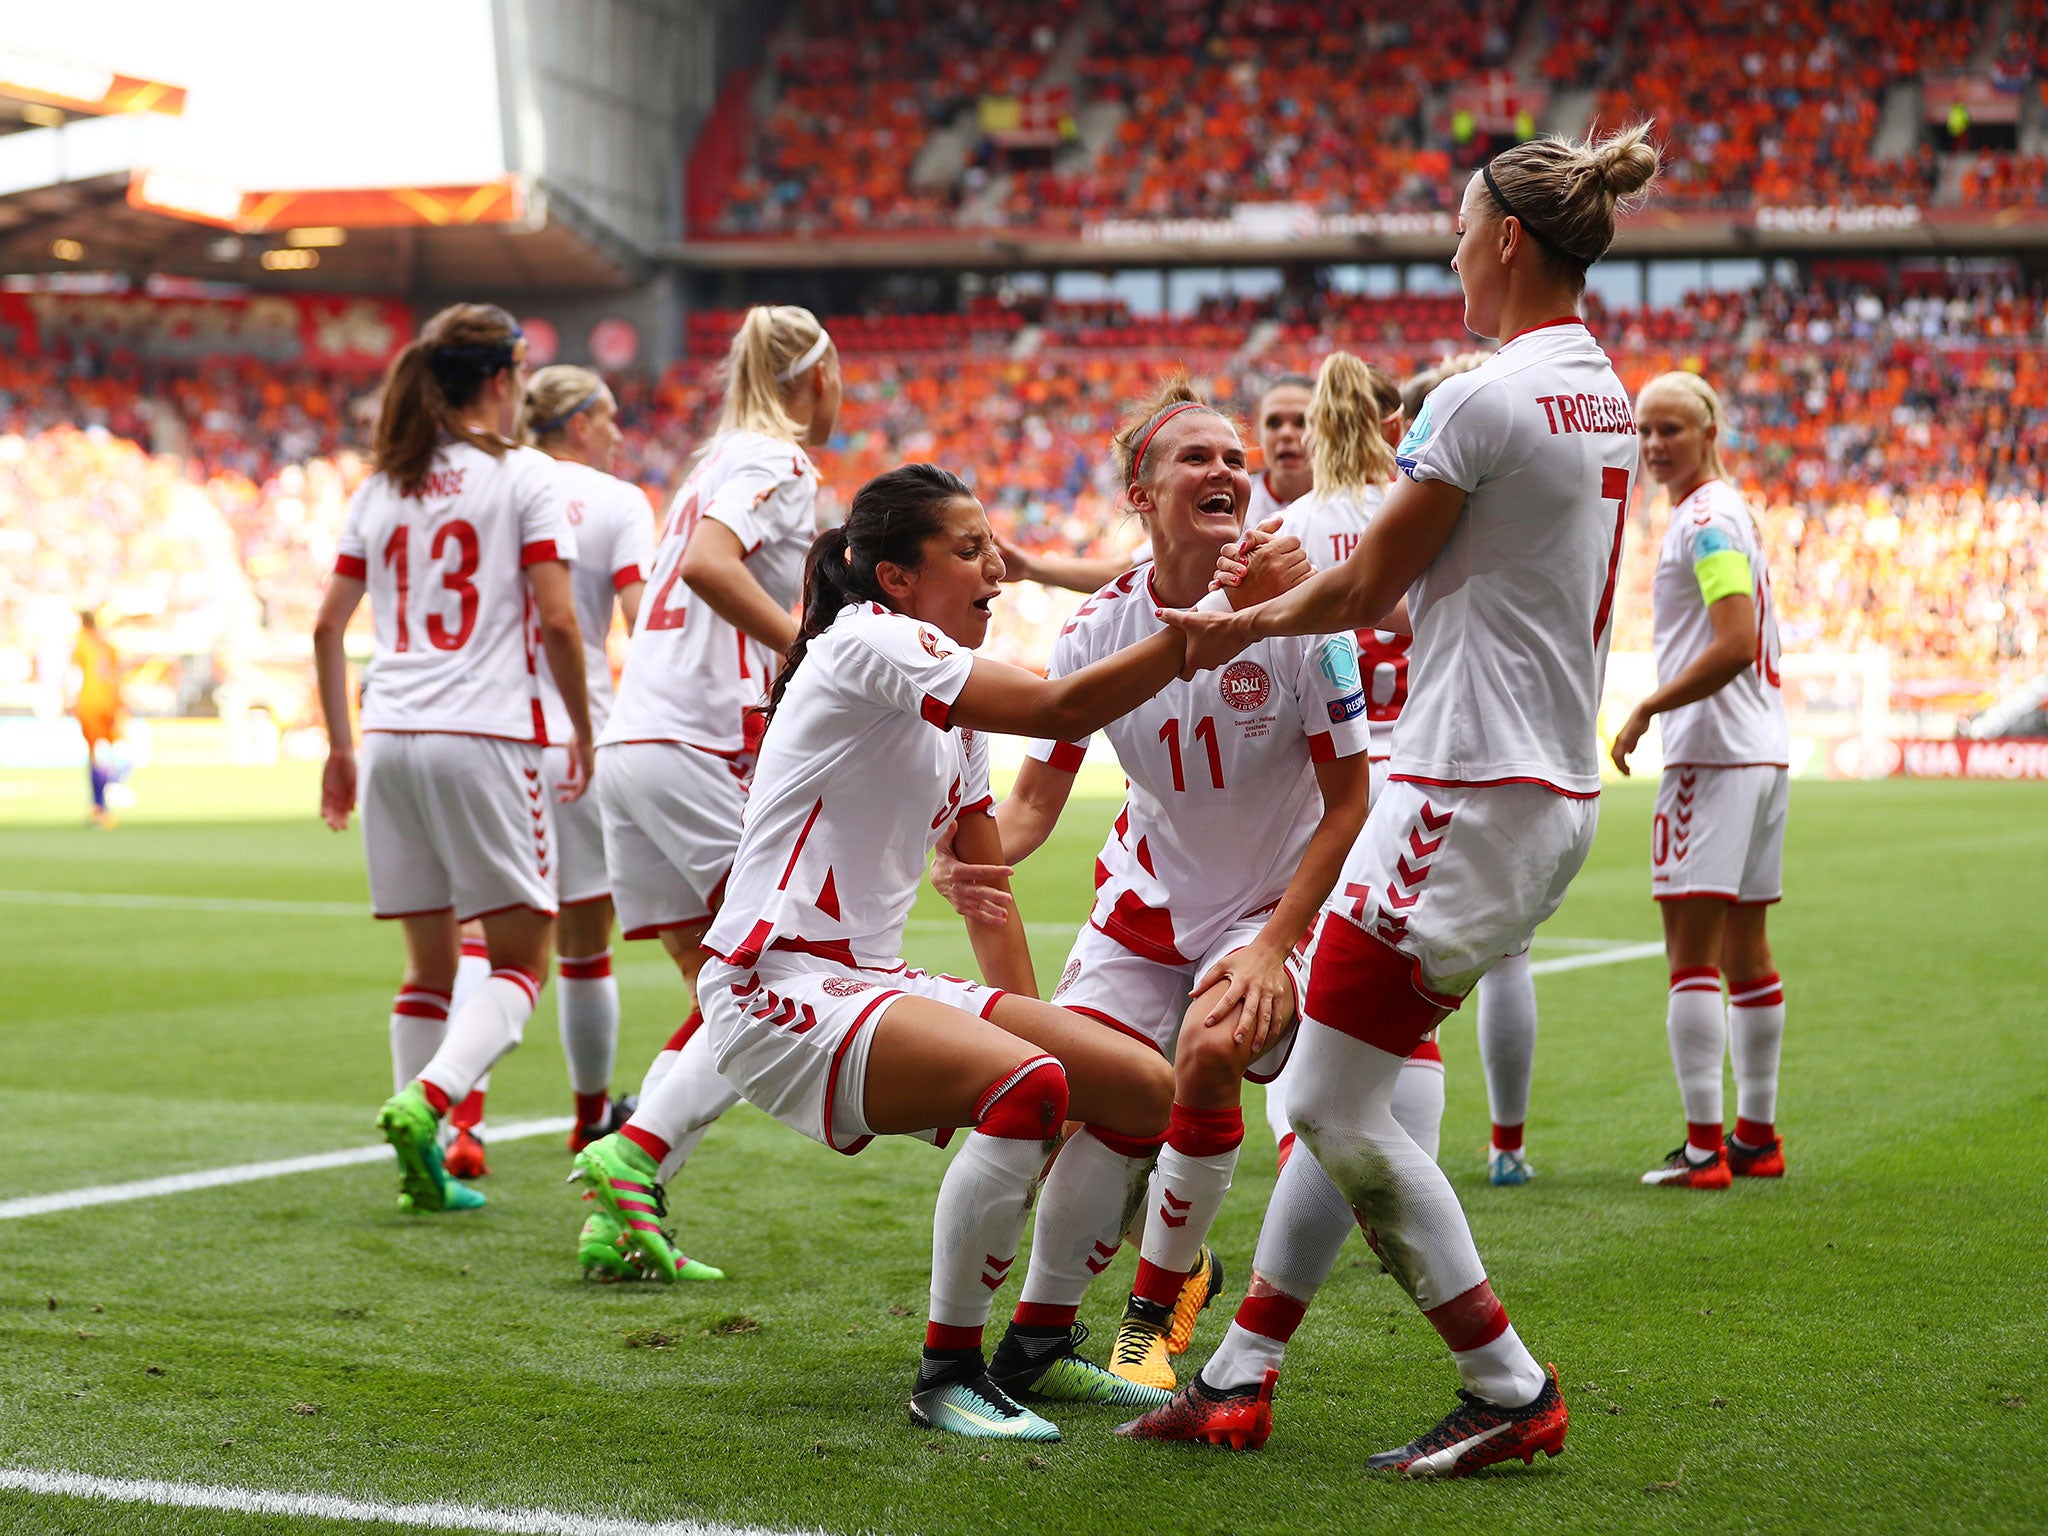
456 579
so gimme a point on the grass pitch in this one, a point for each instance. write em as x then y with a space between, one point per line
1863 1347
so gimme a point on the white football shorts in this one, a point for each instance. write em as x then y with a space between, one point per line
579 837
1149 998
1720 832
792 1034
456 821
1458 877
671 816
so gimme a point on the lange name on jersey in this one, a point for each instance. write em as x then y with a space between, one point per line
457 643
1223 795
859 774
1513 617
691 676
614 547
1712 546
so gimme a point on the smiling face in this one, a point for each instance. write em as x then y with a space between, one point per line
1676 436
1196 486
1283 429
1478 262
960 577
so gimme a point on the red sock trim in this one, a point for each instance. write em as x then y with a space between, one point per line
1697 978
1274 1315
690 1026
591 1107
588 968
1027 1103
1706 1137
1429 1050
1363 987
1755 1133
1470 1320
475 949
469 1114
1205 1132
437 1098
421 1005
521 978
946 1336
646 1141
1287 1147
1764 992
1160 1286
1128 1146
1507 1138
1043 1314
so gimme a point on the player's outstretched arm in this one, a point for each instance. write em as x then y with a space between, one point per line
338 605
1000 948
562 638
1072 573
715 568
1020 703
1728 655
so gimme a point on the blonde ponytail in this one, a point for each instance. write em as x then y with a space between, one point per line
1346 446
1566 192
763 366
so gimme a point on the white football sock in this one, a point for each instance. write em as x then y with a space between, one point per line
1188 1185
1089 1198
979 1219
491 1023
1698 1030
1276 1108
1756 1031
1418 1102
587 1014
684 1101
419 1020
1305 1228
1507 1037
1501 1371
470 972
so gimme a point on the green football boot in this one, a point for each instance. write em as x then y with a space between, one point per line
411 1126
976 1407
602 1250
622 1180
1056 1373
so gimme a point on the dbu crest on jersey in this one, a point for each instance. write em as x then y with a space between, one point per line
845 986
1245 687
930 642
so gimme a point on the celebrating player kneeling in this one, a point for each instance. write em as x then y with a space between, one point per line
1505 535
1718 839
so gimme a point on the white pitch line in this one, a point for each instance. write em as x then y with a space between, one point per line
239 1173
320 1506
1613 956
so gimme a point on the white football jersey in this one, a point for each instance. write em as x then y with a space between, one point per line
1744 723
1513 617
690 676
858 774
1223 795
1329 528
614 547
457 643
1264 503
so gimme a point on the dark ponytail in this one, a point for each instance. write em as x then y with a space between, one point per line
433 378
893 516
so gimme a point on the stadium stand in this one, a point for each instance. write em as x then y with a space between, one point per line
1348 108
1897 444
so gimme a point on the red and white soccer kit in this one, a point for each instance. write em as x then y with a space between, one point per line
1223 801
676 752
614 547
1493 791
858 777
457 808
1719 828
1264 503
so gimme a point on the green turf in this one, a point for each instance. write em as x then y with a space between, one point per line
1862 1347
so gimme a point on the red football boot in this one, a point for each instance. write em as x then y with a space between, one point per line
1764 1162
1681 1172
464 1156
1478 1433
1200 1414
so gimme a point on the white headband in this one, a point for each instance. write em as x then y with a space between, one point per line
808 361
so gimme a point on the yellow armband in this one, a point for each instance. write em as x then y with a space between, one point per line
1724 573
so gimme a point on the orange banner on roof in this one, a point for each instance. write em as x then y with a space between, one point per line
80 87
181 197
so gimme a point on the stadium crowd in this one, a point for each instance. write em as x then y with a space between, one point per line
1897 446
1348 107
